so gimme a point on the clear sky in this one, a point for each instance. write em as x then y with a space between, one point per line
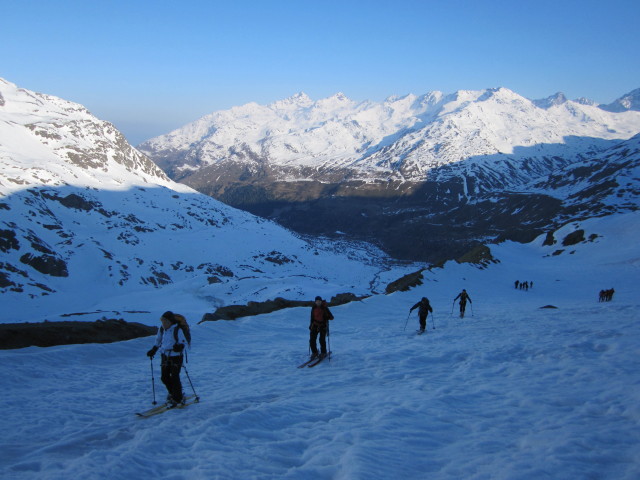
152 66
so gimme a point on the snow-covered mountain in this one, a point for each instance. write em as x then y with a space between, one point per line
398 162
82 211
401 139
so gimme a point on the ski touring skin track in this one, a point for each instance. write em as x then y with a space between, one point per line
190 399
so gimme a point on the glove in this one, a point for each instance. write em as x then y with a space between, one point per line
178 347
152 352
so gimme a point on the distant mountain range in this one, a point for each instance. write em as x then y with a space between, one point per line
82 211
425 177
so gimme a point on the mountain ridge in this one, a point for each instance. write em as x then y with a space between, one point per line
437 153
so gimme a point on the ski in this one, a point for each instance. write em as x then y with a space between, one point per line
302 365
318 360
164 407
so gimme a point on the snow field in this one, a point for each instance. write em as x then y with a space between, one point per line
511 391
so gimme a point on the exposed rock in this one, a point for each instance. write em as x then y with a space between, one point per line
480 255
573 238
8 241
549 240
405 283
48 334
47 264
231 312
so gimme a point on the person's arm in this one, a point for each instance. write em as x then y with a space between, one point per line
182 341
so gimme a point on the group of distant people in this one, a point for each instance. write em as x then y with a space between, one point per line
523 285
606 295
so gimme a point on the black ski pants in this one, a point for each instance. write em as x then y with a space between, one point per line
170 370
423 320
313 335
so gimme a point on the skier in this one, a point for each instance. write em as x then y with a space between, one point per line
423 310
320 316
463 296
171 342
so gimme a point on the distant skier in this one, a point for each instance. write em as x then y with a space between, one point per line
463 296
171 342
320 316
424 307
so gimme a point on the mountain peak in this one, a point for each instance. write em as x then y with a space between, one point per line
557 99
300 99
630 101
585 101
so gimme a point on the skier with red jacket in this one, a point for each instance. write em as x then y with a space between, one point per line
320 316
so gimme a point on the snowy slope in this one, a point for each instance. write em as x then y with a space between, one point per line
84 212
512 391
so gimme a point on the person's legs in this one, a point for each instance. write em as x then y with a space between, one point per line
171 377
313 335
323 341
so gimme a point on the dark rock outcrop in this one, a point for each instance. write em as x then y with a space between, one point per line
48 334
231 312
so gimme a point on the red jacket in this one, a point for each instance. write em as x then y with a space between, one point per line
320 315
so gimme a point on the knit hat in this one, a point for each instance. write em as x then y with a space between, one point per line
319 298
169 316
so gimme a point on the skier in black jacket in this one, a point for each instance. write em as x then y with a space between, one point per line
463 296
424 307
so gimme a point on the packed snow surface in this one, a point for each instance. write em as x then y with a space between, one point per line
511 391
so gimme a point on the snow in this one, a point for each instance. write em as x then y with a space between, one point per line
412 136
512 391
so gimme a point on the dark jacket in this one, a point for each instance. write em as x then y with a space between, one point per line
425 308
320 315
463 296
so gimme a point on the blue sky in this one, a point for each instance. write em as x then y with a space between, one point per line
152 66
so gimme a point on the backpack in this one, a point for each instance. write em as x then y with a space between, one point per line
182 324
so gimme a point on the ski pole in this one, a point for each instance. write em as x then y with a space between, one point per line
453 304
153 382
194 390
329 340
433 320
407 321
471 308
